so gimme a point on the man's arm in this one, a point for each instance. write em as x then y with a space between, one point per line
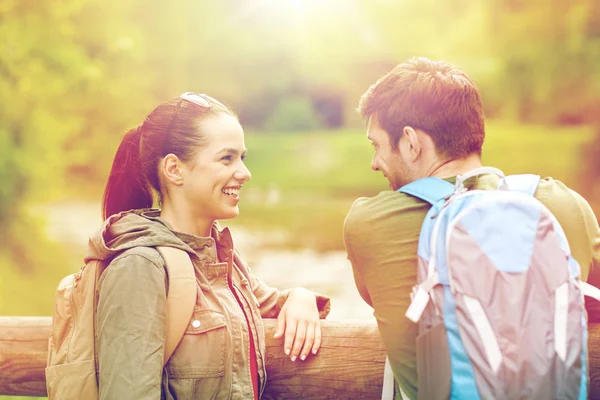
358 277
381 236
593 244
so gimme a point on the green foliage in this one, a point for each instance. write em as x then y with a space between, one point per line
550 58
293 114
76 74
75 77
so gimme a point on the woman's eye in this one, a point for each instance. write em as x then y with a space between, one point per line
243 157
226 158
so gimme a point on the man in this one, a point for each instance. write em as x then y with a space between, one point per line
425 118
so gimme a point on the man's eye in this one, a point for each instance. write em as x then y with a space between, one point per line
243 157
226 158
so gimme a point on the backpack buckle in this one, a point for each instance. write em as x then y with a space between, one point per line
420 298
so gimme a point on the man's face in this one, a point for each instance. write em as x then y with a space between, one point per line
386 159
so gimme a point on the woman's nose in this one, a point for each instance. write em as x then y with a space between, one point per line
243 174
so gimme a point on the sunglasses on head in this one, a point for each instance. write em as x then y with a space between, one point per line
203 101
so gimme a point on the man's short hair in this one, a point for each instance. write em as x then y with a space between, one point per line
433 96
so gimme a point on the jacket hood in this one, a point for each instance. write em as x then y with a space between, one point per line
132 229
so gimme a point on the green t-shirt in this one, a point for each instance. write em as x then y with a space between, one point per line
381 236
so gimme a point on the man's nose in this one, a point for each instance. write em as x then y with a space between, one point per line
373 165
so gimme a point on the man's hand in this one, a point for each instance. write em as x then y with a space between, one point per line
299 319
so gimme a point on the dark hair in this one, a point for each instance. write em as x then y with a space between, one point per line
433 96
172 127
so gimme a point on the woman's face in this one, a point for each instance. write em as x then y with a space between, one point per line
215 176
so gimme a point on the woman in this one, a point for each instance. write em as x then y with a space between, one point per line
190 152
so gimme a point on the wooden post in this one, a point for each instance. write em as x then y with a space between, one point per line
349 364
23 355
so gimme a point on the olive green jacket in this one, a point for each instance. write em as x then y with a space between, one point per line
212 360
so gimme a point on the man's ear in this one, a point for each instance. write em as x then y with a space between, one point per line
411 143
172 169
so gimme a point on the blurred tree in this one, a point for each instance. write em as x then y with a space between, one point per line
76 74
293 114
591 153
40 66
329 105
550 57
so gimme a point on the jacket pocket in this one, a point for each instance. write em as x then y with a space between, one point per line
72 381
201 351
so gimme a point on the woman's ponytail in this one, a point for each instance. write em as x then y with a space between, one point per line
127 187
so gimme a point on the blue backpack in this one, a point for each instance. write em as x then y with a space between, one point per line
499 301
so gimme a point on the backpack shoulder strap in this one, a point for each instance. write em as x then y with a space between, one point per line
429 189
181 298
524 183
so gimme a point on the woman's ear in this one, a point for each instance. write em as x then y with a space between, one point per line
411 142
172 169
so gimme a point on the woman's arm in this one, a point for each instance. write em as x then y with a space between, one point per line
131 326
297 310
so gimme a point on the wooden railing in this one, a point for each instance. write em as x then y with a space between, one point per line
350 361
348 366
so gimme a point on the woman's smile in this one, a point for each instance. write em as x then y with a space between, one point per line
232 190
232 193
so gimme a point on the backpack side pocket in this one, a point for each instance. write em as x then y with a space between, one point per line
433 363
72 381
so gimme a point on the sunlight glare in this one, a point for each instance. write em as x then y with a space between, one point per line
302 6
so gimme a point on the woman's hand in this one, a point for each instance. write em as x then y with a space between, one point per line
299 319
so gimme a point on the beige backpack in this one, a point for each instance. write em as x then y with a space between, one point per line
72 360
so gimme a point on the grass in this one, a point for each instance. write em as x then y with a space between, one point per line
338 162
547 151
325 163
305 183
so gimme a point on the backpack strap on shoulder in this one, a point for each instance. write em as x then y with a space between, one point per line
430 189
524 183
181 298
462 178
